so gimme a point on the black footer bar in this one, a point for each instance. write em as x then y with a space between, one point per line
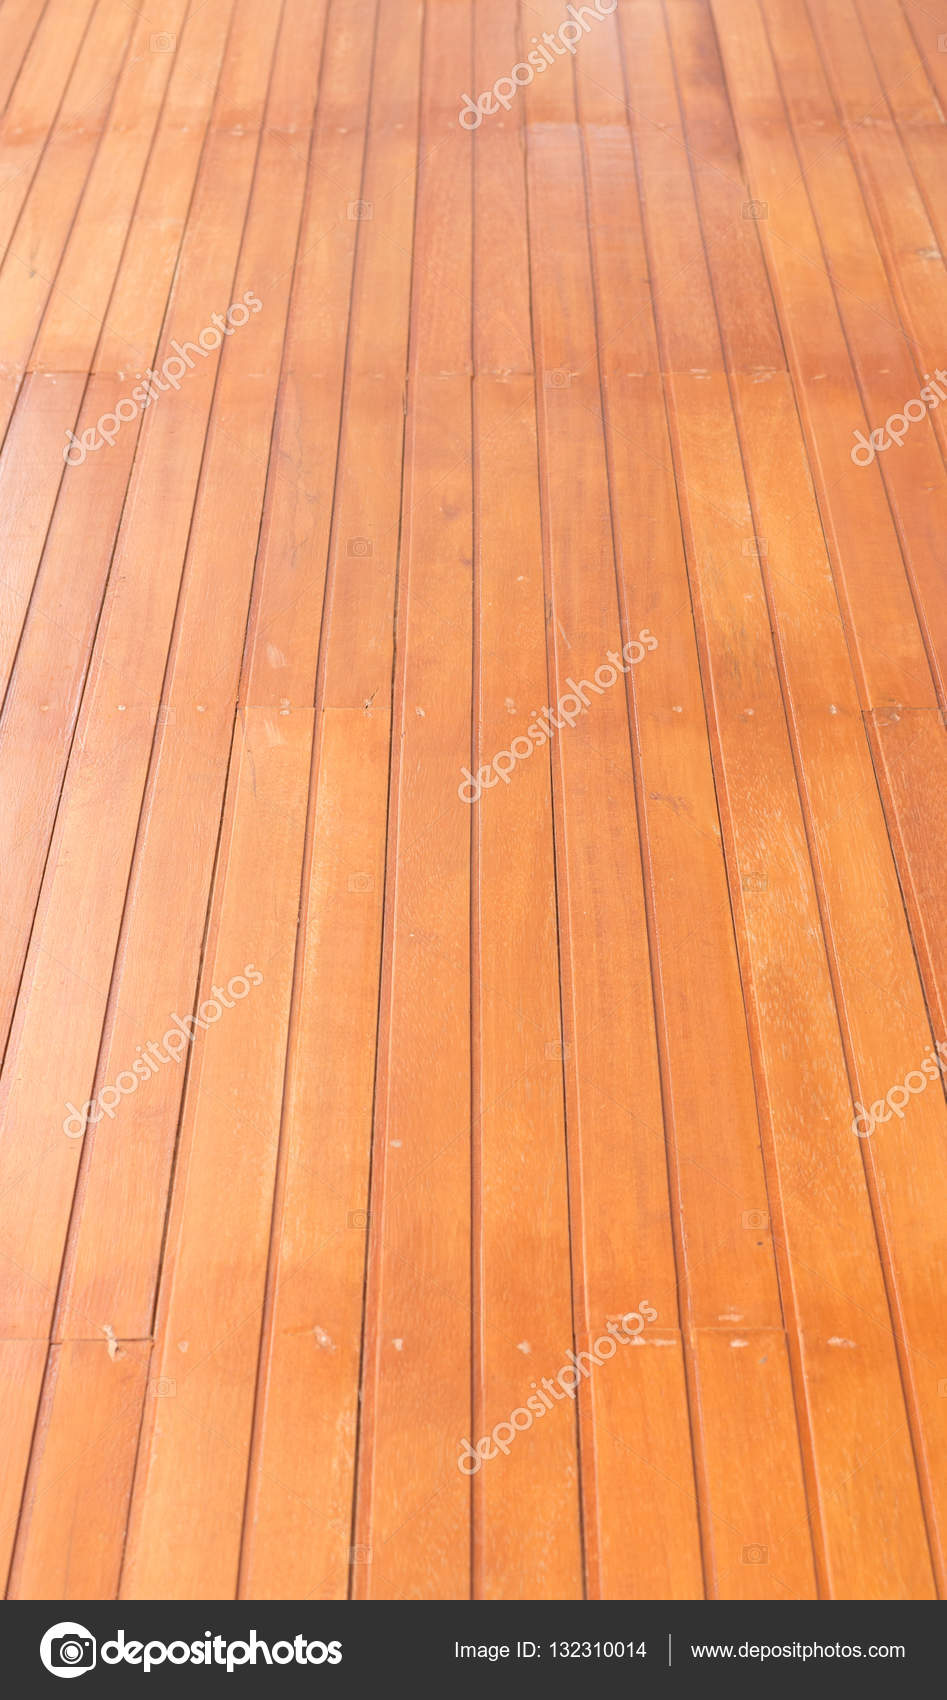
519 1647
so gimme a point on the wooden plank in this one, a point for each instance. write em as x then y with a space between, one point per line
135 314
911 99
180 773
363 546
76 1497
299 1512
125 680
412 1515
124 1282
71 325
645 1464
700 119
891 297
413 1506
729 1266
42 228
502 332
31 470
22 1363
925 29
299 1500
526 1503
729 1280
760 1528
51 663
187 1506
876 592
514 394
623 1245
706 1050
70 313
892 39
18 24
283 638
36 102
70 566
910 750
868 941
747 714
831 754
900 219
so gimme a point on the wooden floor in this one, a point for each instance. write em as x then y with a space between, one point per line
345 1097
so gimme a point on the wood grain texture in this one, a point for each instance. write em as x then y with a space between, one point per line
75 1502
473 986
187 1505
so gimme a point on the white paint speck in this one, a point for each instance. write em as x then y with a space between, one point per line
114 1349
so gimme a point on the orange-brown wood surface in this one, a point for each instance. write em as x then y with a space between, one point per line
473 996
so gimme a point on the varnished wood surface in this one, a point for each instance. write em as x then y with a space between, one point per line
455 1085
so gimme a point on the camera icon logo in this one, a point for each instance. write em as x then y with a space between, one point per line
68 1650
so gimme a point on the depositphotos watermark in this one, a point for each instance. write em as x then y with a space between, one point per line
569 33
571 704
70 1650
561 1386
898 424
917 1081
149 1057
172 370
